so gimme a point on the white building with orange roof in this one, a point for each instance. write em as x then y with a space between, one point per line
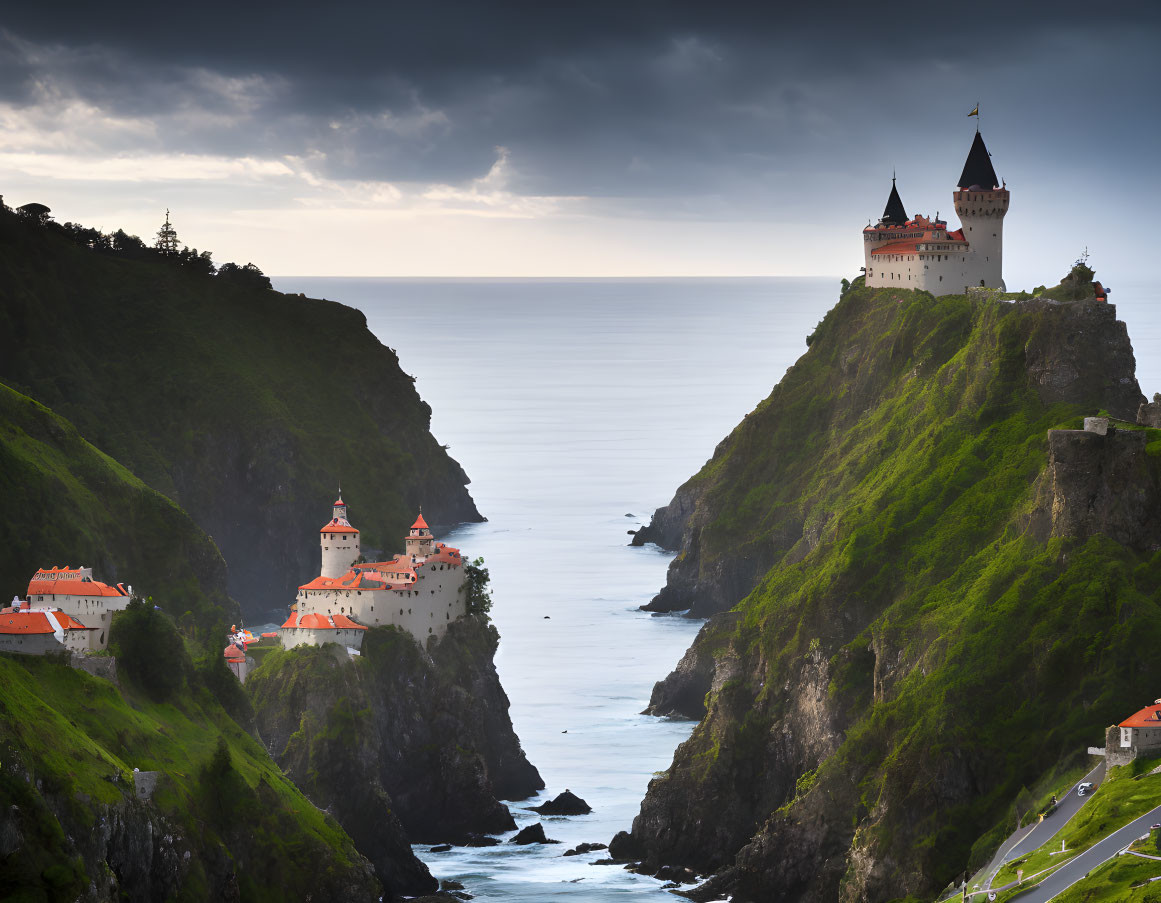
39 631
77 594
1137 735
922 253
421 591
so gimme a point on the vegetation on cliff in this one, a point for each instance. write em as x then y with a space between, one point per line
917 642
223 822
62 501
423 733
245 406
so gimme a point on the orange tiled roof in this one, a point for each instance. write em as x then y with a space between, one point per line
1150 716
72 585
231 654
292 621
325 622
25 623
344 621
420 523
339 525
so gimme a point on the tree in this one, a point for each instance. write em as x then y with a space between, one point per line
479 596
150 652
248 275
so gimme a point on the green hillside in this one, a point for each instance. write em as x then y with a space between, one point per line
923 641
64 502
245 406
222 823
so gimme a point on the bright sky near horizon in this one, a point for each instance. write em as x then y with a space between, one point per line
610 139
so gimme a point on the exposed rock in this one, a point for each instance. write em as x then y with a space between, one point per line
585 848
1149 414
479 840
425 735
532 834
567 803
683 692
440 848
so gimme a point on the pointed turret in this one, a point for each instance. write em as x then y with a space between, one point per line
978 174
893 213
419 542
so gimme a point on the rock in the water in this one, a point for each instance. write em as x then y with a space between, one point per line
480 840
585 848
567 803
532 834
442 848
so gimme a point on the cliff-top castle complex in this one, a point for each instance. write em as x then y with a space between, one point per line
922 253
421 591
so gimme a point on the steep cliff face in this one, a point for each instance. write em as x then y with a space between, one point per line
245 406
208 816
1077 354
956 597
423 736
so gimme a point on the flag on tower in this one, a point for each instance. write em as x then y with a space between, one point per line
976 111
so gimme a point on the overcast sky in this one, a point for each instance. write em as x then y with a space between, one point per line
620 138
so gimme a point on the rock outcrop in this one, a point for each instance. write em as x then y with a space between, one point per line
401 744
901 536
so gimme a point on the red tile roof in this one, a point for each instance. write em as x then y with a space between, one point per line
323 622
25 623
292 621
72 585
1150 716
344 621
339 525
896 247
420 523
339 502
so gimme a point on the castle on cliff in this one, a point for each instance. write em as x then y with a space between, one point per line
922 253
421 590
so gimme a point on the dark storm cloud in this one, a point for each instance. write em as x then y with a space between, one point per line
645 99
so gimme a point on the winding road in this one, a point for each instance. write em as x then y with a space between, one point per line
1102 851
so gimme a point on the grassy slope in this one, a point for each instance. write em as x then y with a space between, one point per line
81 738
247 407
62 501
1008 652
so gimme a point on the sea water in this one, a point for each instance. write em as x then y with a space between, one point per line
577 407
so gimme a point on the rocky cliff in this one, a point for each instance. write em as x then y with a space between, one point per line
936 598
401 743
245 406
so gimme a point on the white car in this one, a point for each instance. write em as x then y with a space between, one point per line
1084 788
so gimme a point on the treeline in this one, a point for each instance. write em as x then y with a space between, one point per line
130 247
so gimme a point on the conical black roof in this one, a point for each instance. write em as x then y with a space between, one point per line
978 168
894 213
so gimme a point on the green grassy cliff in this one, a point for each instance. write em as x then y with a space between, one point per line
245 406
62 501
222 822
932 614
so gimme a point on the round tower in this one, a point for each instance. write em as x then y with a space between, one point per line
981 203
419 542
339 542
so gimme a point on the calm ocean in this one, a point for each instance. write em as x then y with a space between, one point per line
577 407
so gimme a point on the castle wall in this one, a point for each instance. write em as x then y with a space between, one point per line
309 636
425 609
92 611
30 644
339 552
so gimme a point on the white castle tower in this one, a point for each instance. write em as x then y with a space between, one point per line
981 204
419 542
339 541
922 253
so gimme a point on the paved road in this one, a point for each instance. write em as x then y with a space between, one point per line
1029 838
1090 859
1065 810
